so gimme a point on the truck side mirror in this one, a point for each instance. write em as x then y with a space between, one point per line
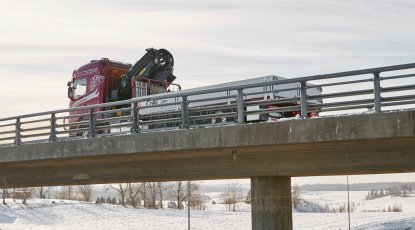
71 94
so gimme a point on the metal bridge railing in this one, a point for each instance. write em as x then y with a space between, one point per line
377 89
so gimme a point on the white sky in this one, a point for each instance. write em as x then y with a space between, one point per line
42 42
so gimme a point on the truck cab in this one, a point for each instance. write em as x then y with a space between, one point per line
104 80
96 82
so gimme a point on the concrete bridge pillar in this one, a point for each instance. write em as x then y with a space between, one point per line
271 203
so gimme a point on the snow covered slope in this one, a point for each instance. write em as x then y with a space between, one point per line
43 214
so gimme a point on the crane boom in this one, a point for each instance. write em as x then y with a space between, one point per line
154 65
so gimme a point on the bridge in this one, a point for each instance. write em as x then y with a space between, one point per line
377 139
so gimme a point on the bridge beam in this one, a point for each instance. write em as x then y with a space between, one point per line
271 203
358 144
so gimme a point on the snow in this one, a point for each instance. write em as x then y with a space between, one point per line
333 198
79 215
55 214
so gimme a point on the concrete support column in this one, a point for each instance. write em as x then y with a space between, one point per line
271 203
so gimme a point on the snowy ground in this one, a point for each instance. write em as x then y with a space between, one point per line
336 198
43 214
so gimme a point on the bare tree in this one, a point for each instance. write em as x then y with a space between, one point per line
42 191
161 189
248 197
5 195
69 190
232 195
395 191
152 195
86 192
122 190
180 192
197 200
296 196
26 194
144 195
66 193
134 190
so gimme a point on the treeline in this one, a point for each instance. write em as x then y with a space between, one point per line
401 191
151 194
147 195
80 193
354 187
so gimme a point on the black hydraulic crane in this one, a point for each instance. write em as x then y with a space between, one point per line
155 64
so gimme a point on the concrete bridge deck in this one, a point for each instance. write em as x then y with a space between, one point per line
357 144
268 153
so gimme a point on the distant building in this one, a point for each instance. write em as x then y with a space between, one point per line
20 195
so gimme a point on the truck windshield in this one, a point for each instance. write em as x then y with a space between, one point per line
80 87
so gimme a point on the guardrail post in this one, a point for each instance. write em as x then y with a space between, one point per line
135 114
185 120
17 140
92 123
240 107
53 136
303 99
376 92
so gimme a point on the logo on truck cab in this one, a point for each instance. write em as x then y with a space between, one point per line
96 81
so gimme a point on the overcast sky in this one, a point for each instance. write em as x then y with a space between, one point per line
42 42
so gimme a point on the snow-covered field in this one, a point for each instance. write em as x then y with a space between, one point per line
43 214
337 198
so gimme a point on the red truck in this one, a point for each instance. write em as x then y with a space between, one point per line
104 80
